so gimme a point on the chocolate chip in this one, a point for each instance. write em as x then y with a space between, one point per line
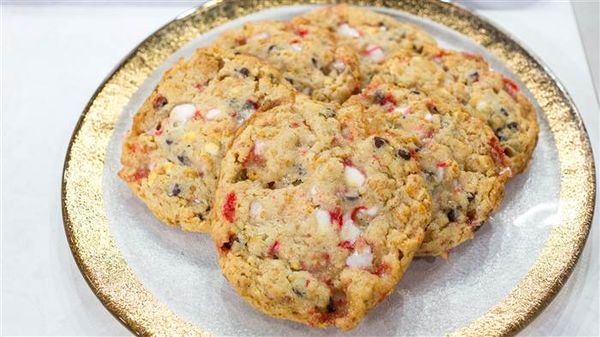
271 47
250 105
379 142
432 108
159 102
327 113
451 214
290 80
379 97
400 255
503 111
271 185
418 49
314 62
244 71
415 92
296 182
183 159
226 246
470 197
474 76
169 141
331 306
403 154
513 125
175 190
297 292
200 216
236 53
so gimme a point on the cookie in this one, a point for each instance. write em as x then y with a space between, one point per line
171 157
308 56
455 151
484 93
307 225
373 36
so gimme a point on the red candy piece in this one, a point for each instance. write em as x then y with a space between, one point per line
442 164
355 212
140 174
510 86
301 32
498 152
229 207
253 158
274 249
336 216
346 245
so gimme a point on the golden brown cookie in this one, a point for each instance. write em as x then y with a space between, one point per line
455 151
308 56
373 36
171 156
308 226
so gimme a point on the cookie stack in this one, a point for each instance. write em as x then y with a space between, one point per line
322 154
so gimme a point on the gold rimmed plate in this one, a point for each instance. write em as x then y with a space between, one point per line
159 280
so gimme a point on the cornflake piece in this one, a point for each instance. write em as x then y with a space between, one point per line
211 148
183 112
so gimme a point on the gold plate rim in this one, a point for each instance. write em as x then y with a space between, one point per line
114 283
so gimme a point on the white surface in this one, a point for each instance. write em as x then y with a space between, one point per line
55 57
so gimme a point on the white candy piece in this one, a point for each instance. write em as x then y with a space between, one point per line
212 114
440 173
255 209
339 66
429 117
183 112
323 217
353 176
372 211
405 110
259 146
296 46
375 53
362 259
349 230
346 30
261 36
313 190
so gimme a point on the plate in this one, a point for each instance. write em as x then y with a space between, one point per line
159 280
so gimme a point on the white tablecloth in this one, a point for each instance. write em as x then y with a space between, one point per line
54 57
